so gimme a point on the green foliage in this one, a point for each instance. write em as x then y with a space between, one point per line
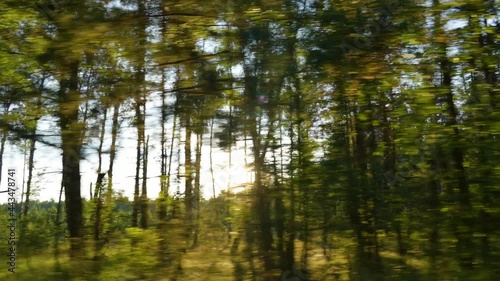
371 127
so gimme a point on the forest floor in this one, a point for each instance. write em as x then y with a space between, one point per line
212 262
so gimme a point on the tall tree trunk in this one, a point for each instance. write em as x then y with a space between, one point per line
230 154
279 209
172 141
163 255
98 190
464 226
140 134
31 159
112 150
291 225
112 156
144 191
197 191
302 161
465 221
140 101
71 135
188 173
212 121
363 182
58 231
261 204
162 199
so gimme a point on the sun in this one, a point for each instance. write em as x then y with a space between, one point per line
227 177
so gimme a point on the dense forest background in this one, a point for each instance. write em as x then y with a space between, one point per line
371 129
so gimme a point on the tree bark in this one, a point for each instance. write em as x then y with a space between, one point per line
140 134
188 193
71 135
31 158
144 191
197 187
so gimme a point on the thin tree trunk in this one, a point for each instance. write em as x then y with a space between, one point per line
98 190
24 179
31 158
112 156
188 193
302 163
58 230
230 164
172 140
144 191
211 155
114 137
162 210
279 210
140 101
290 241
101 139
136 206
163 255
197 191
97 220
261 204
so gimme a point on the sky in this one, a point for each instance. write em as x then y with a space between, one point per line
47 172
